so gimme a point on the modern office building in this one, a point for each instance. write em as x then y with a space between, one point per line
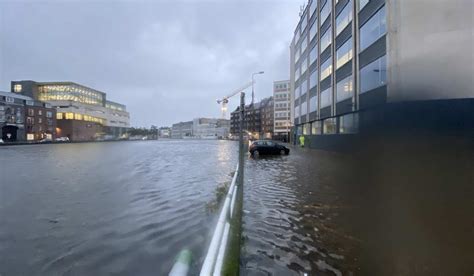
182 130
83 113
24 119
211 128
348 56
281 110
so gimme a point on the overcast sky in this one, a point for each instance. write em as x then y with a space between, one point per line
168 61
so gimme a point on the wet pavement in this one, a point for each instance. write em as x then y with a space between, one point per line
292 208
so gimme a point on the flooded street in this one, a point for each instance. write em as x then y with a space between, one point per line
291 211
124 208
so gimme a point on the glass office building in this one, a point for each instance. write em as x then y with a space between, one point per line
70 92
338 64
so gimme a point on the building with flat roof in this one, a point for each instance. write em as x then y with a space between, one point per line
211 128
282 110
24 119
83 113
181 130
258 119
348 56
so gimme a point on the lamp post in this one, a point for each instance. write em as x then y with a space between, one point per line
253 75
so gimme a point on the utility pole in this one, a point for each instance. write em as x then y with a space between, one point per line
241 138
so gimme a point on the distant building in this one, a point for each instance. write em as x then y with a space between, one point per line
164 132
83 113
211 128
24 119
258 119
282 110
182 129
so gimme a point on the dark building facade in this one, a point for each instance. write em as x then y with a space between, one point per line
257 120
24 119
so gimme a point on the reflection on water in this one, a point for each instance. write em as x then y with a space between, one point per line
108 208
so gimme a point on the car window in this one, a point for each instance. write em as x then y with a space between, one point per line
269 143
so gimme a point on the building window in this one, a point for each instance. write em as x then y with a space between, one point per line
373 29
313 31
30 120
49 114
312 7
344 53
362 3
326 68
326 39
329 126
313 104
306 129
9 99
78 116
40 120
316 127
30 103
304 87
313 79
373 75
344 18
313 54
349 123
304 22
40 112
297 34
325 11
297 73
59 116
297 54
304 108
69 116
17 88
304 66
30 137
31 112
326 97
344 89
297 111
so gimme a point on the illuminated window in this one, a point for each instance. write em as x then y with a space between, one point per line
59 116
69 116
30 136
326 68
316 128
77 116
17 88
329 126
344 53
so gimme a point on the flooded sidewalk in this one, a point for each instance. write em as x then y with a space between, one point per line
292 216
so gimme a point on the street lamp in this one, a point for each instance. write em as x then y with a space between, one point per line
253 75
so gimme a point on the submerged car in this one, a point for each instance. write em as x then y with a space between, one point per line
261 147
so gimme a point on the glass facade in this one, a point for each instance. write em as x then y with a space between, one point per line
326 97
326 68
344 53
373 75
373 29
313 31
314 72
70 92
326 39
349 123
344 18
313 104
344 89
325 11
313 79
313 55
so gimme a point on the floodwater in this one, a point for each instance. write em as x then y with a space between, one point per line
124 208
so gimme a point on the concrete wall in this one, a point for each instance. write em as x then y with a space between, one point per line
430 49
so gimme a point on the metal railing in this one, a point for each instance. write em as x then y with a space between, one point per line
215 255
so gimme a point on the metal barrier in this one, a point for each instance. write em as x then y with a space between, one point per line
215 255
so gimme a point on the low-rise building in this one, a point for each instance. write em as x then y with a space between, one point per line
24 119
182 130
164 132
282 110
210 128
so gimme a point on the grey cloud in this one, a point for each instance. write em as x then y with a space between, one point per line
167 61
